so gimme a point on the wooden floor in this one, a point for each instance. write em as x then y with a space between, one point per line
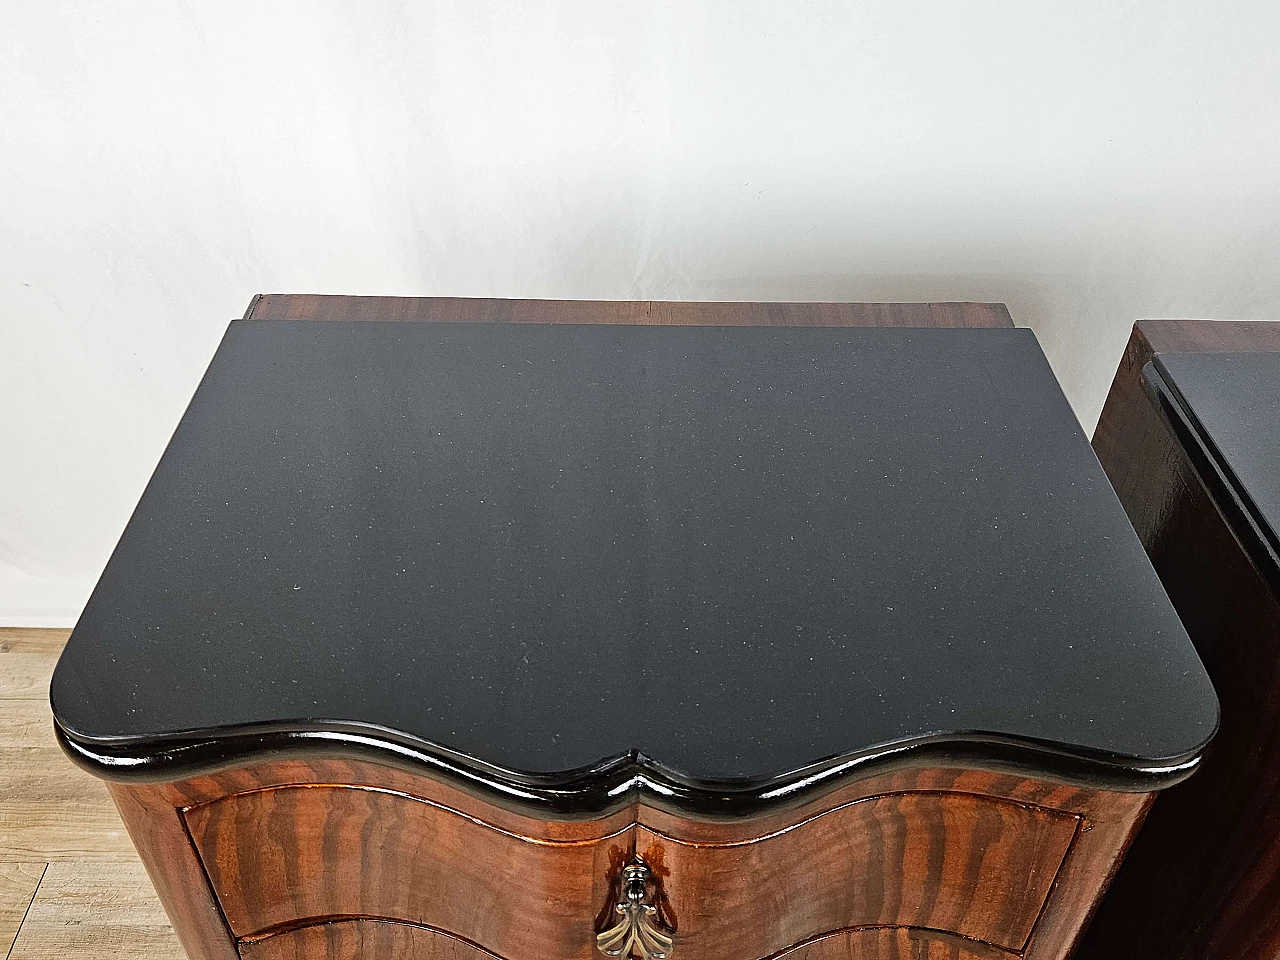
71 886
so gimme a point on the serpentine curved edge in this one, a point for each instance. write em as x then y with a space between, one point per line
612 783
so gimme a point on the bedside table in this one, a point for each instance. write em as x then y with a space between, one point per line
1190 436
722 642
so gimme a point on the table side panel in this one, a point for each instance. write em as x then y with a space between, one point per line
1199 881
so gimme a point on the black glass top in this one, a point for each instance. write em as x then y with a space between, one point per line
1232 402
734 551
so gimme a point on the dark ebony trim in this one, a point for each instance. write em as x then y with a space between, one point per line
616 782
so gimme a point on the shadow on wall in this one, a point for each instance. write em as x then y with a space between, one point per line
1082 327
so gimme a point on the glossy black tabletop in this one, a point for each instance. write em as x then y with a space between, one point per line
1230 403
733 553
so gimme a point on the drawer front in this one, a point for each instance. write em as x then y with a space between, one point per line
335 872
362 940
897 944
379 940
279 857
977 867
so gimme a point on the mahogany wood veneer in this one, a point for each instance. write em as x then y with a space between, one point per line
710 631
961 862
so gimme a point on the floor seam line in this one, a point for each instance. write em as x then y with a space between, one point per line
26 913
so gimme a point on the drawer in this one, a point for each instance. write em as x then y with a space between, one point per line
343 873
886 944
362 940
977 867
380 940
277 858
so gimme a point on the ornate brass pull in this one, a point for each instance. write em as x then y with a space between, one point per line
638 929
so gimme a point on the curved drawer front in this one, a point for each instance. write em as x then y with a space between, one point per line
279 856
333 871
977 867
361 939
888 944
380 940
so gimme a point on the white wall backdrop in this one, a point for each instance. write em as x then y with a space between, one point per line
1085 162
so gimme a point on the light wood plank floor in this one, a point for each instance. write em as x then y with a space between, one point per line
71 886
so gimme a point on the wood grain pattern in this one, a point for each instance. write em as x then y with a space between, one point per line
1202 880
33 640
277 306
18 882
95 900
292 848
972 865
156 825
955 862
360 938
364 773
1109 822
899 943
49 810
27 658
66 930
271 857
1112 821
96 911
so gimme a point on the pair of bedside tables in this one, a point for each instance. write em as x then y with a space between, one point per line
449 630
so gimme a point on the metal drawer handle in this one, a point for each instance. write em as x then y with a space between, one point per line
638 929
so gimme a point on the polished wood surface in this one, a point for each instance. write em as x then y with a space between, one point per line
282 306
1139 452
1202 881
960 863
881 944
971 865
949 855
156 825
273 858
350 939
